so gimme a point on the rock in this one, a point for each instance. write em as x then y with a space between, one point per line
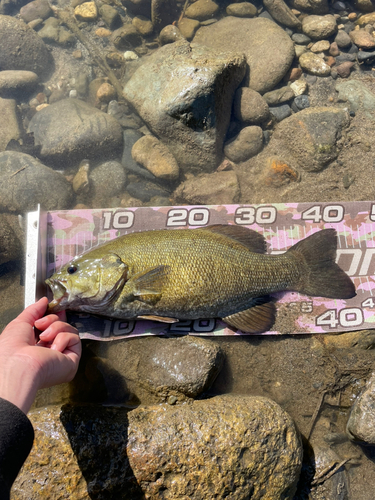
125 37
153 155
209 189
248 143
252 437
143 25
250 107
278 173
107 181
278 96
103 33
280 112
310 136
106 93
299 50
81 181
66 38
202 10
130 138
268 49
343 40
170 34
344 69
50 31
319 27
334 49
145 190
85 132
314 64
362 39
25 182
9 126
320 46
241 9
86 11
12 239
188 27
360 427
301 39
22 49
300 102
163 12
38 9
130 55
313 6
110 16
191 115
345 57
366 19
364 56
358 96
293 75
282 13
364 5
299 87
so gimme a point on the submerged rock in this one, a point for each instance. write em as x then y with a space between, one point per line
15 83
9 125
248 143
360 427
228 446
156 158
358 96
184 94
11 239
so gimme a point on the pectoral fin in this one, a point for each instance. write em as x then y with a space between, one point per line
149 282
257 319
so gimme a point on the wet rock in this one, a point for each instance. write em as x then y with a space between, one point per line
334 49
364 56
156 157
25 182
170 34
163 12
301 39
86 11
245 145
22 49
362 39
191 115
282 13
143 25
202 10
110 16
364 5
366 19
311 6
50 31
106 93
85 132
81 182
320 46
299 50
335 487
293 75
241 9
311 135
38 9
9 126
314 64
319 27
126 37
268 49
250 107
130 55
12 239
345 57
344 69
278 173
358 97
188 27
280 112
145 190
300 102
130 138
299 87
252 437
343 40
360 427
107 181
209 189
278 96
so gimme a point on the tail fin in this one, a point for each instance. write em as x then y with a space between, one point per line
322 276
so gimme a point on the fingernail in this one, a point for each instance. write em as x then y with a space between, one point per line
54 347
45 333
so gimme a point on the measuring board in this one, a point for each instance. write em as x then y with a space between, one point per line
54 238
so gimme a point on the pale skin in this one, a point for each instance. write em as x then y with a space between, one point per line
28 364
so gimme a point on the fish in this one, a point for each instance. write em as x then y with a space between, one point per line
217 271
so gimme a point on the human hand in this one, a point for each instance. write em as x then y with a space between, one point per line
28 364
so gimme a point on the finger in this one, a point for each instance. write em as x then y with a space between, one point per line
62 315
63 364
33 312
55 329
46 321
68 344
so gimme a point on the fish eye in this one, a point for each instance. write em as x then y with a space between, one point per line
72 269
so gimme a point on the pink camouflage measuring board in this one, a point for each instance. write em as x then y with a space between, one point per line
70 233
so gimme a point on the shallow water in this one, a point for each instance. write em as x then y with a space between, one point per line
88 163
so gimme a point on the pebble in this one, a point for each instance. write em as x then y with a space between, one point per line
156 157
188 27
250 107
334 50
278 96
320 46
130 55
106 93
293 75
241 9
362 39
103 32
87 11
114 59
38 9
299 87
299 50
110 16
364 56
344 69
300 102
218 187
130 138
360 427
81 179
366 19
248 143
343 57
278 173
143 25
339 6
314 64
16 82
319 27
280 112
170 34
301 39
202 10
125 37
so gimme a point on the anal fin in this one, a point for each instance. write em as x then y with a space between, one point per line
256 319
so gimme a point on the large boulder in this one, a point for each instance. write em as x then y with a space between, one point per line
184 94
268 49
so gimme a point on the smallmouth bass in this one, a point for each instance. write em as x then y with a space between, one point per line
218 271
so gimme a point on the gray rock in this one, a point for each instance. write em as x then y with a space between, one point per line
252 437
364 56
9 126
319 27
209 189
343 40
145 190
268 49
345 58
281 112
360 427
241 9
184 94
301 39
311 6
248 143
107 181
279 96
13 83
110 16
12 239
282 13
358 96
250 107
311 135
301 102
25 182
37 9
130 138
84 132
22 49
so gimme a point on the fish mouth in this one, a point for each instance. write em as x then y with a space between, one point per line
59 292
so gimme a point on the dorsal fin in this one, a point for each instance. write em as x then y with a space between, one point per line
251 239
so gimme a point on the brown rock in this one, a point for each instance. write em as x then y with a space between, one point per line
103 32
87 11
188 27
293 75
209 189
278 173
202 10
9 126
248 143
344 69
106 92
334 49
330 61
143 25
282 13
250 107
366 19
362 39
156 157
